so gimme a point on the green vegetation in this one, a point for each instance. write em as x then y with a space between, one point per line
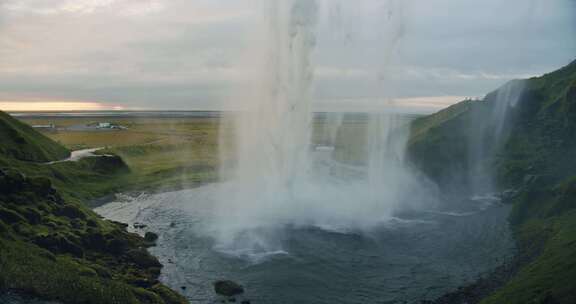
54 247
537 161
162 153
20 141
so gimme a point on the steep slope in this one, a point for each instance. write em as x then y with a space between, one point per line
22 142
536 164
51 245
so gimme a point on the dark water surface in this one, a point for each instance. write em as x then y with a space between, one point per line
414 257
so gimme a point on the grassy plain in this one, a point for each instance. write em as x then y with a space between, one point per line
162 153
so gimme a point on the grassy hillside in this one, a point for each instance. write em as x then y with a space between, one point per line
536 162
54 247
20 141
163 153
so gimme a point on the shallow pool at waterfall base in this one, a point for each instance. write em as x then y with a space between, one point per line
418 256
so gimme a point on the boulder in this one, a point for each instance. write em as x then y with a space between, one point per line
150 237
142 258
139 226
228 288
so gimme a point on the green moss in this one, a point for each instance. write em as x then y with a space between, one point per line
538 161
551 277
51 245
20 141
26 268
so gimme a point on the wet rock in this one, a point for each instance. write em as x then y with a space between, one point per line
150 237
228 288
123 226
245 302
139 226
142 282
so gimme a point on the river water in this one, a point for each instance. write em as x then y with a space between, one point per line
412 257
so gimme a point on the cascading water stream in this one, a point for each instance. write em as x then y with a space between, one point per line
489 129
276 180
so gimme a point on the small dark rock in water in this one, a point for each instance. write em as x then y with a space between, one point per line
172 225
151 236
232 300
139 226
183 287
245 302
228 288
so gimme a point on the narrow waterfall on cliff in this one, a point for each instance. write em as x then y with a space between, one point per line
489 129
279 177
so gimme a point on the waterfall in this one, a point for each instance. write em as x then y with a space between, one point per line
490 128
278 179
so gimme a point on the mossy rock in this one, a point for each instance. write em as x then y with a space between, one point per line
169 296
147 297
142 258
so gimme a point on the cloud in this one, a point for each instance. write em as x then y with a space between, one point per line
182 54
83 7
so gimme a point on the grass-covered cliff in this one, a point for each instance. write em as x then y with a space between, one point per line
20 141
51 245
536 162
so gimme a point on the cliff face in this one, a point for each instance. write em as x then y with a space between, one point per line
51 245
535 162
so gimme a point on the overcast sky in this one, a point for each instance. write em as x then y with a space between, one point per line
186 54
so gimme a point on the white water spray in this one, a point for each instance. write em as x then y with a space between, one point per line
490 128
278 179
